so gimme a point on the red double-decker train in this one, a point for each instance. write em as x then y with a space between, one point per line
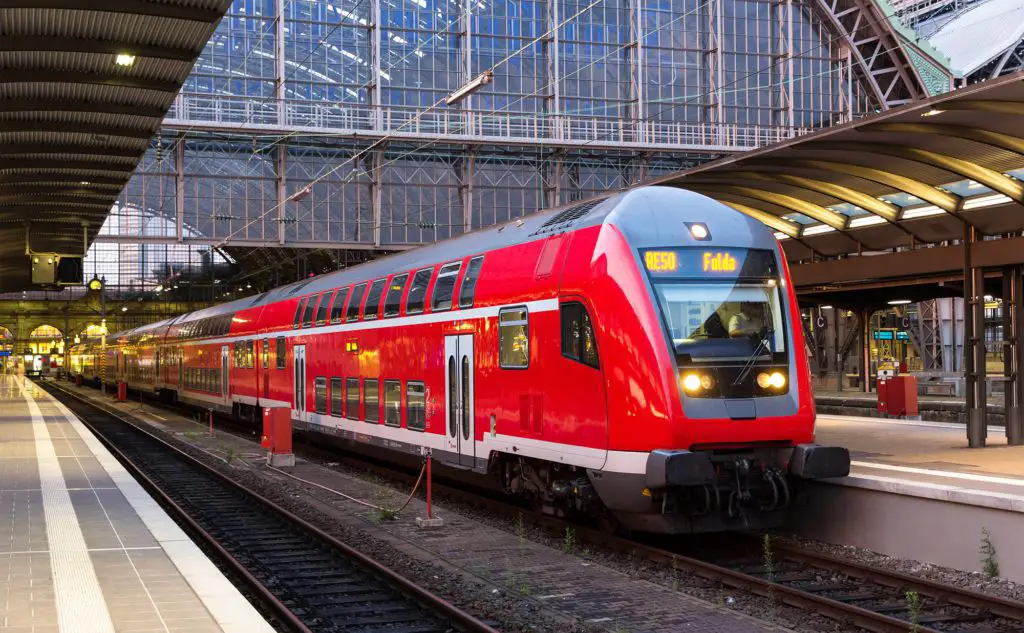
638 355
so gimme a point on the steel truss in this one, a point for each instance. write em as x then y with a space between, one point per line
275 169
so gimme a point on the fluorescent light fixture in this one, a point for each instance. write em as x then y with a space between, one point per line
84 183
125 59
921 212
932 112
469 88
817 229
900 302
781 236
866 220
124 308
825 307
986 201
989 297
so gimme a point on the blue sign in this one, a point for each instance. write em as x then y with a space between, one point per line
5 352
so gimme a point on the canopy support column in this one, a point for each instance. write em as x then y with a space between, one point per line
974 345
1013 352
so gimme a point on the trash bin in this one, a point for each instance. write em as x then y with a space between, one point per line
902 396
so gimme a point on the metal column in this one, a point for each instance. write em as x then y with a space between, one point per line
865 339
974 345
1013 352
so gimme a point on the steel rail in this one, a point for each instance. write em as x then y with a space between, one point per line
428 599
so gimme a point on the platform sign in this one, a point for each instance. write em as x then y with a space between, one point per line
889 335
5 352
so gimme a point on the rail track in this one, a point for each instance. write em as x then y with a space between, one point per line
860 595
307 580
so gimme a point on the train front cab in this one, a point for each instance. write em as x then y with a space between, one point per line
728 426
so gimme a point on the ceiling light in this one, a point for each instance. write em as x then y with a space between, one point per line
825 307
125 59
900 302
124 308
84 183
932 112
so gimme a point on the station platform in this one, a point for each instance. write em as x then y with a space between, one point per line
83 547
916 491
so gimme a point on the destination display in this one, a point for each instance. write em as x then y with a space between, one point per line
729 263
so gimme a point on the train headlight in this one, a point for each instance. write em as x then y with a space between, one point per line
777 380
691 383
699 231
706 382
771 380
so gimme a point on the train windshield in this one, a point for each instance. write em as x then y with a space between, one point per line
722 322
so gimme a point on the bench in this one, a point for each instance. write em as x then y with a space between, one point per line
937 389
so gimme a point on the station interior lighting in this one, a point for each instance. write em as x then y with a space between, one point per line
124 308
933 112
125 59
900 302
825 307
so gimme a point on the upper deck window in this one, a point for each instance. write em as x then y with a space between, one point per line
307 314
299 308
418 291
444 287
354 300
373 299
393 299
468 290
338 307
321 311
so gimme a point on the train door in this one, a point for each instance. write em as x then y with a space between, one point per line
459 409
266 368
299 374
181 368
224 365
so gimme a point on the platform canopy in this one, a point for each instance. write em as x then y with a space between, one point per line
84 85
905 177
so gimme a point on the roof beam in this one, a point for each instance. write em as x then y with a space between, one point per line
80 105
782 225
73 127
55 177
89 163
47 75
57 199
985 105
135 7
13 43
809 209
992 179
988 137
886 210
945 200
8 191
68 148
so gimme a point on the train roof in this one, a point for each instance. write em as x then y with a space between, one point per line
618 208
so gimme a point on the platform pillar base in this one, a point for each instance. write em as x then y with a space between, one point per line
281 460
976 431
425 523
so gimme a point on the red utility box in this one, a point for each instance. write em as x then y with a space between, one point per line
882 387
902 396
277 436
78 380
122 391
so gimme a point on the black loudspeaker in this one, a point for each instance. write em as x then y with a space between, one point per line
70 270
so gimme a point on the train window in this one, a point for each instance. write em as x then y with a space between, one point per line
373 299
513 332
307 314
237 350
320 395
371 400
337 397
468 290
418 291
321 311
393 299
352 398
444 287
298 312
250 354
415 406
266 353
393 402
338 307
280 352
352 307
578 341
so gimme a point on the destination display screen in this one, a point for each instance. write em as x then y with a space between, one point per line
710 263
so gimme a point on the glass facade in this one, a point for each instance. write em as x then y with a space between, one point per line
321 130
